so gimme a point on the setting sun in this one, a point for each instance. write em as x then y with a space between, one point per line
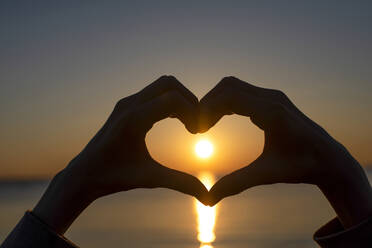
204 148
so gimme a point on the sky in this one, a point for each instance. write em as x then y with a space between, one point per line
64 65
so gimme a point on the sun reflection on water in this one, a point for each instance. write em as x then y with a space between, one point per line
206 216
205 246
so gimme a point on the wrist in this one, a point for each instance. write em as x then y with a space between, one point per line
62 202
349 192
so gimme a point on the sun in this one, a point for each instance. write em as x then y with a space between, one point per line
204 148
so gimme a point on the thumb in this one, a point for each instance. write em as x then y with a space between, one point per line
252 175
165 177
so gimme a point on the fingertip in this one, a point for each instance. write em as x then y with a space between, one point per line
192 125
220 190
192 130
204 198
201 193
202 128
212 201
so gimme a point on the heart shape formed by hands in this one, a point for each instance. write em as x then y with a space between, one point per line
120 144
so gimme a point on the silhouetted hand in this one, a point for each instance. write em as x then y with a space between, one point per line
296 150
117 159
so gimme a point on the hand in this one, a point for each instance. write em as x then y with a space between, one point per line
296 150
117 159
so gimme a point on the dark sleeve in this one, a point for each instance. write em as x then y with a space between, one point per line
333 235
31 232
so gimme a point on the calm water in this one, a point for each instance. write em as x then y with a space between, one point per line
267 216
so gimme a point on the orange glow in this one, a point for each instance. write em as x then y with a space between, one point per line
206 216
170 144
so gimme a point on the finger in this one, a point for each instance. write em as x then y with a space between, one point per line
240 180
263 112
170 104
234 91
235 83
240 85
218 102
164 177
161 86
273 95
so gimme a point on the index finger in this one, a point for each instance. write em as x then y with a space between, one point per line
240 180
161 86
262 111
170 104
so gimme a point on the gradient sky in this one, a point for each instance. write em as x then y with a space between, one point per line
64 64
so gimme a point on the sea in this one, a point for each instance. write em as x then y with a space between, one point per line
277 215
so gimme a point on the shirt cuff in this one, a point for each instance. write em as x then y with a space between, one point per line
333 234
31 232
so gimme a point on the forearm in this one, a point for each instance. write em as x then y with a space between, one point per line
62 202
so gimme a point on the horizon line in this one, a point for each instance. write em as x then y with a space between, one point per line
33 179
